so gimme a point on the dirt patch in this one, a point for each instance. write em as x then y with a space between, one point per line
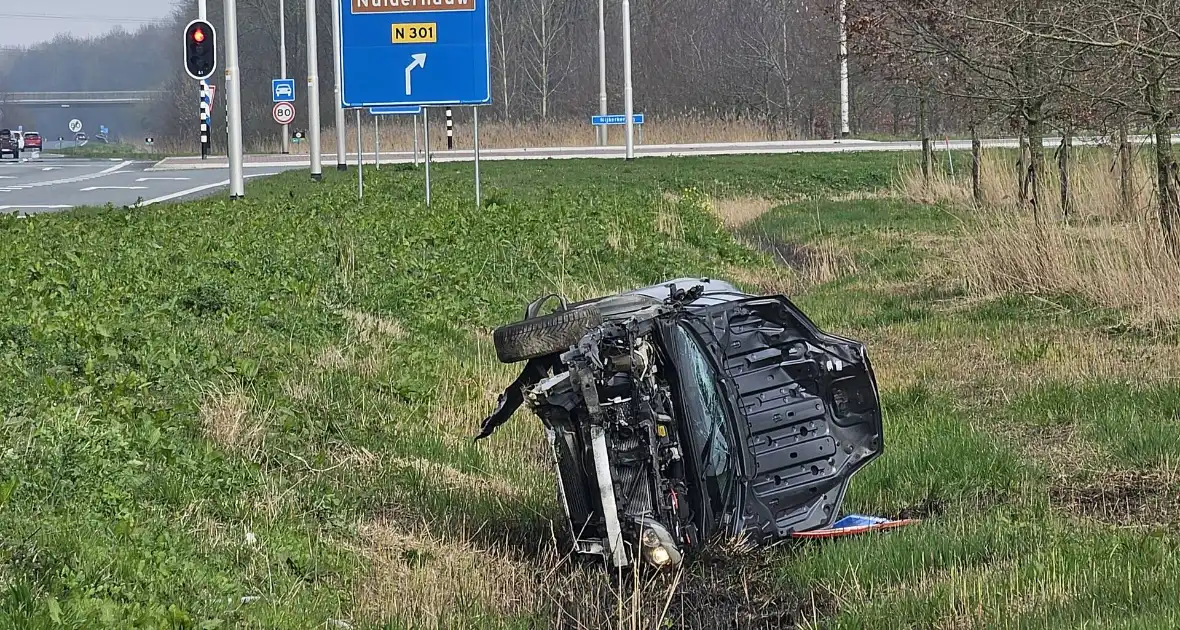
230 421
799 267
719 589
415 574
1125 497
369 327
739 211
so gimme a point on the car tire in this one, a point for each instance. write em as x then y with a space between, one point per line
540 336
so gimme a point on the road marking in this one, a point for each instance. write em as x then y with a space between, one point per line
92 188
52 168
191 191
3 208
162 179
7 176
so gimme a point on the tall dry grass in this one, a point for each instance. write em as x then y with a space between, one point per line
396 134
1107 253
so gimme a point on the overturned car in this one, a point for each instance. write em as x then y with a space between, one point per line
689 410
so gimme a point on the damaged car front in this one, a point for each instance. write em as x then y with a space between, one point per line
689 410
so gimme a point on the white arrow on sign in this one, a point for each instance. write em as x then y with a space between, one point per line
419 62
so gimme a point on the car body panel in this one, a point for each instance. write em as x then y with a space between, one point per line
807 408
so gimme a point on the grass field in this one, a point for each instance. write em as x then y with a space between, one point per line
259 414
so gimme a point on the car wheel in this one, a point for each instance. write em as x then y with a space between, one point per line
544 335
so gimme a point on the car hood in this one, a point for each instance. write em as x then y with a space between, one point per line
806 409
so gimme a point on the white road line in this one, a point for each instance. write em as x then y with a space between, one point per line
7 176
2 208
163 179
52 168
93 188
183 193
190 191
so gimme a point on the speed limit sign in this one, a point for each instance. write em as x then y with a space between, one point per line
284 113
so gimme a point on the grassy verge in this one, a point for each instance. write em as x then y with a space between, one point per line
94 149
258 414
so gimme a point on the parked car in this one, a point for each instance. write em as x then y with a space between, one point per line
687 411
9 145
32 141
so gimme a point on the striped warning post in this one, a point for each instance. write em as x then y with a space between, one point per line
204 119
450 130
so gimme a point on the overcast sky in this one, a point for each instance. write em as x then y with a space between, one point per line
31 21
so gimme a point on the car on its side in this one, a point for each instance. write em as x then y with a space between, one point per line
9 144
690 411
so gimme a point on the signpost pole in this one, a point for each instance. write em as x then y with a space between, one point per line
360 159
337 66
283 66
377 140
426 157
627 92
415 140
475 123
313 95
234 101
602 129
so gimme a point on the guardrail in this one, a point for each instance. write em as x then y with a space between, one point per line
79 98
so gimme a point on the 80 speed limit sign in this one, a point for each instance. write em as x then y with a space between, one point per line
284 113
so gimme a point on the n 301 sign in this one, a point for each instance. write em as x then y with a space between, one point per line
415 33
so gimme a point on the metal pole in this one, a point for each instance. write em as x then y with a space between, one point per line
475 122
602 129
426 157
313 95
415 139
283 66
627 91
233 87
360 157
450 130
341 129
844 130
377 140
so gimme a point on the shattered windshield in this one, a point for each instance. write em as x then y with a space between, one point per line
706 417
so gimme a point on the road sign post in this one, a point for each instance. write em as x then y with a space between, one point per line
628 93
283 65
341 130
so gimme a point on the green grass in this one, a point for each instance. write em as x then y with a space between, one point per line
94 149
216 400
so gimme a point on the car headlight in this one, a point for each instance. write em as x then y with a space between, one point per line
657 551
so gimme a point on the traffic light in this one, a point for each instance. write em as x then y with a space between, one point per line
200 49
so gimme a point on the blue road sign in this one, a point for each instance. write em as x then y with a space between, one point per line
398 53
403 110
282 90
615 119
103 130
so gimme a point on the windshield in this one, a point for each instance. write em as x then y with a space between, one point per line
706 418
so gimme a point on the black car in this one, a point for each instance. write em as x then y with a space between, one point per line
9 144
688 411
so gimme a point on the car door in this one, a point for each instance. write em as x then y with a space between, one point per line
806 407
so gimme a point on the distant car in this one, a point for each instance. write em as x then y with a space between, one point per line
283 91
32 141
80 138
9 144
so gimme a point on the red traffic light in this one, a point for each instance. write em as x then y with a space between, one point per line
198 35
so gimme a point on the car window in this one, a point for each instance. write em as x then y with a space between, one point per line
707 420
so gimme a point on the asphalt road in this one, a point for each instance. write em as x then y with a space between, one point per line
53 184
